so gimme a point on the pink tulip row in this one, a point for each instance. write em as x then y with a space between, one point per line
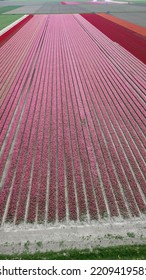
108 68
28 49
30 185
73 165
8 52
86 154
10 32
12 101
20 146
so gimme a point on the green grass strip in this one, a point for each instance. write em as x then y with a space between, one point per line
5 20
126 252
8 8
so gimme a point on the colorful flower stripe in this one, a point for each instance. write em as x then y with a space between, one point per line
73 127
107 69
37 131
71 143
138 29
9 70
125 37
86 125
11 100
98 133
123 70
11 106
34 188
16 149
70 3
64 163
11 66
44 173
21 132
79 117
5 36
8 62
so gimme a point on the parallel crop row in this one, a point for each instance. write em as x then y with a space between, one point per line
72 125
128 39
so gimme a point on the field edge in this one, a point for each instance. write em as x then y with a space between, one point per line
30 238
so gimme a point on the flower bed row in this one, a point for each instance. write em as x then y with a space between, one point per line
131 41
135 28
10 32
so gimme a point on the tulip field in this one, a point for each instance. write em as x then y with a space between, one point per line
72 121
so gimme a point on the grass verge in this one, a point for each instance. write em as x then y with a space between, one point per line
5 20
126 252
